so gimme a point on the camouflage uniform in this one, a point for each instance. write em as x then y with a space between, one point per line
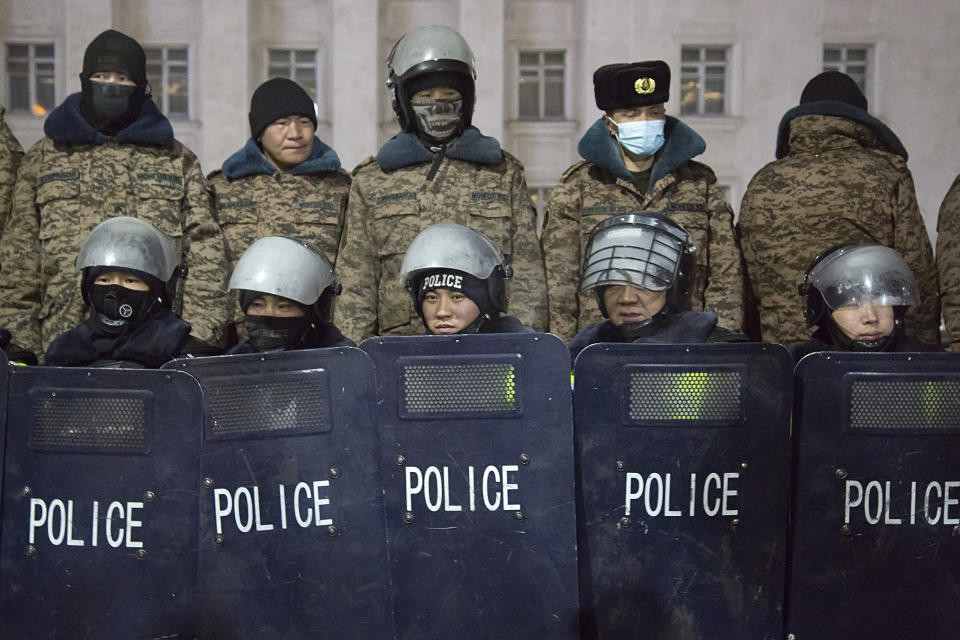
10 154
948 262
253 200
841 177
76 178
475 184
601 187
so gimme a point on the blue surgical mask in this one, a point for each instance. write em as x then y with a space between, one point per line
641 138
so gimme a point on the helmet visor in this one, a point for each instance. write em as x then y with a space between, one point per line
646 256
862 274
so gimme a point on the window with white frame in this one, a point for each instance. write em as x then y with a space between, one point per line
169 78
30 78
299 65
703 80
541 89
851 60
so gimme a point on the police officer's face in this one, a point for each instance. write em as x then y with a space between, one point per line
446 311
287 141
436 93
269 305
635 114
112 77
630 304
864 322
122 278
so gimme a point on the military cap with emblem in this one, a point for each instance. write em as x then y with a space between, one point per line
631 84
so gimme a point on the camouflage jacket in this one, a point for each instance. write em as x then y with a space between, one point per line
841 177
74 179
253 200
405 190
601 187
10 154
948 262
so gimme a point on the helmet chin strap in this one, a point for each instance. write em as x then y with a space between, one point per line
633 330
888 342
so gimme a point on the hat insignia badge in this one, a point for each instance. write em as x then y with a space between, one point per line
645 86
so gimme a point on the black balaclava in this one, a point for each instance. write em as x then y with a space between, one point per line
453 280
111 107
828 332
115 310
270 333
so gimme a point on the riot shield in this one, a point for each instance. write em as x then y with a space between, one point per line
100 504
292 540
876 511
4 364
683 454
477 447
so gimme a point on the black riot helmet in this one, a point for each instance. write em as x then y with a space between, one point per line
644 249
850 275
427 57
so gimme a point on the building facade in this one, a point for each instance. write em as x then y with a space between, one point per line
737 65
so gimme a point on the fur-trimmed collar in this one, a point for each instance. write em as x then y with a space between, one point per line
250 161
66 124
406 149
682 145
840 110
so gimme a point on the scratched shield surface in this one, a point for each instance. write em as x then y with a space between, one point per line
292 541
876 512
476 440
99 536
683 476
3 412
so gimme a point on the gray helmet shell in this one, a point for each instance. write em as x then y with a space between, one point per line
130 243
452 246
854 274
429 43
642 249
285 267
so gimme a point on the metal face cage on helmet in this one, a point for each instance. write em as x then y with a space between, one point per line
452 246
285 267
854 274
130 244
646 250
427 57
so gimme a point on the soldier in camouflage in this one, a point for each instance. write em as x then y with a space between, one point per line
440 169
283 182
840 176
10 154
948 262
637 157
108 151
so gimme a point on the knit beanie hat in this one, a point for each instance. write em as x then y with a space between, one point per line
453 280
835 86
278 98
115 51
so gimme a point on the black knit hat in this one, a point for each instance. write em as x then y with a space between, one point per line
470 286
631 84
115 51
835 86
278 98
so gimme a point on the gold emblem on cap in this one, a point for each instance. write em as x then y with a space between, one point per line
645 86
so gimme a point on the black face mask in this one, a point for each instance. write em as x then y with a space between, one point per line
109 106
118 308
268 333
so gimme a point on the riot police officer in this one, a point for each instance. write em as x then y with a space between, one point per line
640 268
457 280
857 296
286 288
129 277
439 169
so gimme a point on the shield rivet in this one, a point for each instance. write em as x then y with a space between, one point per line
518 516
31 551
141 554
27 492
218 539
149 496
207 483
524 458
621 465
744 465
735 522
624 522
846 530
334 473
401 460
332 530
841 473
408 517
